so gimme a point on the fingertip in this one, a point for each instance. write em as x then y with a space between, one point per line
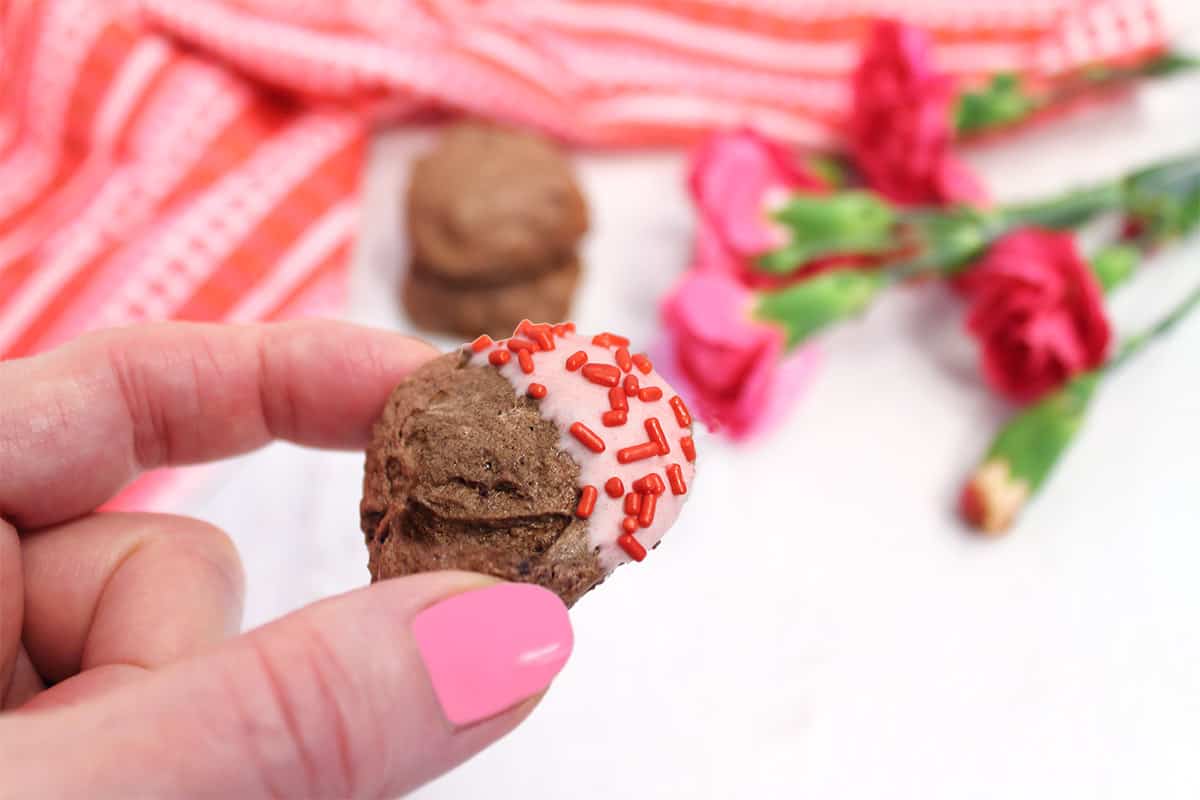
492 648
396 352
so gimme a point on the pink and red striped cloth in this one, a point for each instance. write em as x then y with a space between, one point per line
198 159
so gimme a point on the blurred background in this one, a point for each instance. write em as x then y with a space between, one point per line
818 623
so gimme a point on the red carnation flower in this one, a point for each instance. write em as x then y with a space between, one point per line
1037 309
901 133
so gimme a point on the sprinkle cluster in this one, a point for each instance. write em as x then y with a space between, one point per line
622 385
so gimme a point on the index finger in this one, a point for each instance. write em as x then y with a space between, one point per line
80 422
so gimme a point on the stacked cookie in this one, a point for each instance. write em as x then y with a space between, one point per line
494 219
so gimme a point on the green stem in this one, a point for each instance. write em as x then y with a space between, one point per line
1067 210
905 271
1104 77
1138 342
1004 102
953 242
1174 177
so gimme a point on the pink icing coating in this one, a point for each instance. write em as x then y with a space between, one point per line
571 398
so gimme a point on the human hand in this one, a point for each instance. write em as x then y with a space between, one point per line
117 674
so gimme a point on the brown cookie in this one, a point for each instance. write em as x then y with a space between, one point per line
530 459
493 205
464 474
467 311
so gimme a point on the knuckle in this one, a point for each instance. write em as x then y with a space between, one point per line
308 721
146 420
202 542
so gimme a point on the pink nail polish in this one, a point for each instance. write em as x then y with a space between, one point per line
491 648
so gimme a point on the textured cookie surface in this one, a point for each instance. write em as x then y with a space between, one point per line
462 473
493 205
549 457
438 305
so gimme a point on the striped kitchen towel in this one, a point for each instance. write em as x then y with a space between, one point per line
198 159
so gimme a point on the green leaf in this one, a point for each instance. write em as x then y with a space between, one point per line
783 260
842 223
1005 82
816 303
1114 265
1034 440
1001 102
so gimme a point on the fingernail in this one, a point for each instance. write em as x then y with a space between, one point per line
491 648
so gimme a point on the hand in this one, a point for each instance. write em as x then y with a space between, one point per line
116 667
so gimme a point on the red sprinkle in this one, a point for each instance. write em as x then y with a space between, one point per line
536 390
616 399
629 525
655 431
525 360
577 360
517 345
482 343
646 513
499 357
633 501
637 452
613 419
623 359
631 385
607 339
642 363
563 328
688 447
612 338
682 415
632 547
603 374
522 326
614 488
587 437
543 336
675 478
587 502
649 483
649 394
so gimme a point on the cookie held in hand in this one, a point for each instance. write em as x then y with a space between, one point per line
548 458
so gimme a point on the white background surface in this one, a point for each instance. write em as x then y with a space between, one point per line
818 624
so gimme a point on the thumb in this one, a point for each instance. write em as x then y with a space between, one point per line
369 695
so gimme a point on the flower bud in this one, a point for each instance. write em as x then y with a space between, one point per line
1024 454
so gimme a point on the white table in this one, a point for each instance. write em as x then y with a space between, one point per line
833 632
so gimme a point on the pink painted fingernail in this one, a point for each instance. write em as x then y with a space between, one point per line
489 649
